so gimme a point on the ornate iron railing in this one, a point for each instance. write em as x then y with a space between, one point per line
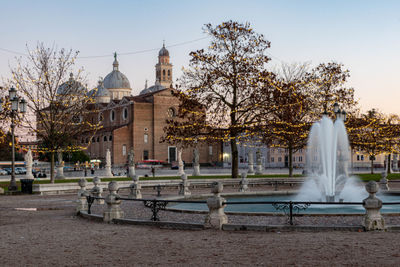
289 208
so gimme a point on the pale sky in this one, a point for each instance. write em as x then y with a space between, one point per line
363 35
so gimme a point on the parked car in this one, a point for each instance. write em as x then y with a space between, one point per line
3 172
37 173
8 170
175 165
20 170
68 168
149 163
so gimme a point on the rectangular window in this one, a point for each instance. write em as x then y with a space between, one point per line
300 159
210 150
123 150
272 159
362 157
145 155
279 159
146 138
358 157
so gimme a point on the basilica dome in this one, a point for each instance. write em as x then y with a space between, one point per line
71 87
99 90
116 79
152 89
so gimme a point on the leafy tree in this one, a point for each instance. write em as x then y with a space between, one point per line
60 105
226 80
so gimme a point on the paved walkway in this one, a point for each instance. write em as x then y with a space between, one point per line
46 232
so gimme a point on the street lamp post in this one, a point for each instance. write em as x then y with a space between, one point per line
339 114
18 104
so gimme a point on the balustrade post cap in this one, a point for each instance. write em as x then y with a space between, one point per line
383 174
217 187
112 186
135 178
244 175
82 182
372 187
96 180
184 176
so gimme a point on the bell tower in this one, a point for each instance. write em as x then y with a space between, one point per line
164 68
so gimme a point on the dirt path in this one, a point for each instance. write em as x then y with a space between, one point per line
53 235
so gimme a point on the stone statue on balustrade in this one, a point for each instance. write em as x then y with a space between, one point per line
108 164
60 166
131 167
196 162
29 162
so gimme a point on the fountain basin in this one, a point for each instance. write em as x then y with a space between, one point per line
320 209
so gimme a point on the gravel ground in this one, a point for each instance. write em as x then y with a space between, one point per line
53 235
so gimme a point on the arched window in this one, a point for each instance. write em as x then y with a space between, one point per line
98 139
105 139
110 138
169 73
163 73
125 114
171 113
112 115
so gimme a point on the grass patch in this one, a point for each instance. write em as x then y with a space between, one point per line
377 176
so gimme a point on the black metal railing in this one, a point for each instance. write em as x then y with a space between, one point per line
289 208
160 204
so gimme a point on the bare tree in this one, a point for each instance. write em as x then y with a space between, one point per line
60 104
226 80
329 81
287 121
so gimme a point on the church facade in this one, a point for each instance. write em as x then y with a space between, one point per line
138 121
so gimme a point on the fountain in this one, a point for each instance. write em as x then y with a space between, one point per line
328 157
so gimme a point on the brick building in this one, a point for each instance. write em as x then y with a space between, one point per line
138 121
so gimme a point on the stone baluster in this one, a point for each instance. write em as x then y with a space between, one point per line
82 204
373 219
135 188
114 210
383 182
216 216
243 187
97 190
184 186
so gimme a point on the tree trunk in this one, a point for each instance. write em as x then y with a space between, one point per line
235 157
389 159
52 168
372 166
290 161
